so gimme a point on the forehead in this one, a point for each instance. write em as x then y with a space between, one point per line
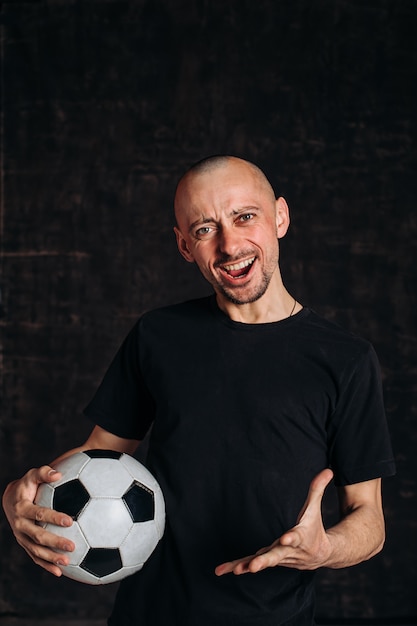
220 189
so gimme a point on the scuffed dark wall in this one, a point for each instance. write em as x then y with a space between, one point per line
104 104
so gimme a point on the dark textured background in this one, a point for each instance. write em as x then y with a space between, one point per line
104 103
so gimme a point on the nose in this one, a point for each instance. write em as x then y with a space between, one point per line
228 241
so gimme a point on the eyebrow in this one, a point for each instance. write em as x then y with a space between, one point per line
234 212
204 220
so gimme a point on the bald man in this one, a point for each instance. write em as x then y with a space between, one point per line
255 404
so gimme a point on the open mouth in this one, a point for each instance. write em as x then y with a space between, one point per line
239 270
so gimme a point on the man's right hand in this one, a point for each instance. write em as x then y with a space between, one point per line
40 544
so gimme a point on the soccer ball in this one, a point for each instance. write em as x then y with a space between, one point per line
118 511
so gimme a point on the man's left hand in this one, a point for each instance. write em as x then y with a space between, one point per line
306 546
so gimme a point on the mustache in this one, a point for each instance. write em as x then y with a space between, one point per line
227 259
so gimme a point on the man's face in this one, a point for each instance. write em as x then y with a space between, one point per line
229 223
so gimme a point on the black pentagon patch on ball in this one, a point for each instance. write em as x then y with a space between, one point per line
102 561
140 502
103 454
71 498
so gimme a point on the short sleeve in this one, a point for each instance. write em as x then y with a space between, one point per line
359 442
122 404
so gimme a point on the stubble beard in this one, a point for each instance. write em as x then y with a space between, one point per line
230 294
249 294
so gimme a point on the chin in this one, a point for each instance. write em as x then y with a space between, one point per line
243 297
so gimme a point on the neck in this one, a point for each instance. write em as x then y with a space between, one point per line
275 305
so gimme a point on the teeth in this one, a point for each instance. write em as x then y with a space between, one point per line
239 266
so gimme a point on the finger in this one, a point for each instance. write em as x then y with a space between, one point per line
54 567
316 492
243 565
43 546
47 565
320 482
238 566
275 554
38 536
55 550
38 475
25 509
47 474
247 564
25 489
292 539
257 563
41 553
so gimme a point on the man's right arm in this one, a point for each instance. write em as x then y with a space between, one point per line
22 513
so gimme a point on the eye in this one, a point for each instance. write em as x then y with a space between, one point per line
203 231
246 217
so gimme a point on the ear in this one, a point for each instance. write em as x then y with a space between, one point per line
282 217
183 246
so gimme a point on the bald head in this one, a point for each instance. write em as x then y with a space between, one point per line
209 164
229 223
223 164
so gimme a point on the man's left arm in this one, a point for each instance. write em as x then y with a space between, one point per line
359 535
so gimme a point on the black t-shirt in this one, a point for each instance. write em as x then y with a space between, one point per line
244 416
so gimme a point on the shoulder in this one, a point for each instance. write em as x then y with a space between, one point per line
327 330
182 314
189 308
334 342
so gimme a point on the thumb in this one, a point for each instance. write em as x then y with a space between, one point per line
291 538
26 487
44 474
315 493
51 475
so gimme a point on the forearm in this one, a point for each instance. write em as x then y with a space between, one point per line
359 536
101 439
